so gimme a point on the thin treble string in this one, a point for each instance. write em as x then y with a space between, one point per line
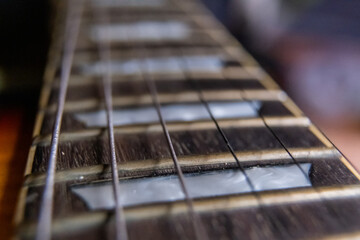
265 123
73 19
272 132
329 208
204 102
195 219
293 159
307 177
257 196
230 148
263 119
195 85
105 58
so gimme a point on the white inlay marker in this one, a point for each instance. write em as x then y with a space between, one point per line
171 113
128 3
140 31
217 183
195 63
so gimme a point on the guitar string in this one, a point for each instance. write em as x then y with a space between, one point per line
105 57
202 100
257 197
107 92
329 208
253 191
72 25
195 218
262 118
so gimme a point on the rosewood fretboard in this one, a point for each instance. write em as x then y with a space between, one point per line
254 165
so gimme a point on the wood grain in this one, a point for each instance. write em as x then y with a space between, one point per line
152 145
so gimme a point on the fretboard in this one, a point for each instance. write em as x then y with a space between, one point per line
203 142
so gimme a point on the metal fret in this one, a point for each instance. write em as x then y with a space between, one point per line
225 203
225 159
83 134
150 144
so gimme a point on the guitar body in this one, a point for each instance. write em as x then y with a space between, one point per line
16 130
154 123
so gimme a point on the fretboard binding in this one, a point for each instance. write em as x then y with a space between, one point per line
265 157
173 126
84 221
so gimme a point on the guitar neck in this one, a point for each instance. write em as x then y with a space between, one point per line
168 129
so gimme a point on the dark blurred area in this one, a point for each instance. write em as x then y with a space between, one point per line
24 40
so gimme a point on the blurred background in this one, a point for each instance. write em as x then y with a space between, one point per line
311 47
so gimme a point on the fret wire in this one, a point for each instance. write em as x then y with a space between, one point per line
262 159
72 25
197 224
105 56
